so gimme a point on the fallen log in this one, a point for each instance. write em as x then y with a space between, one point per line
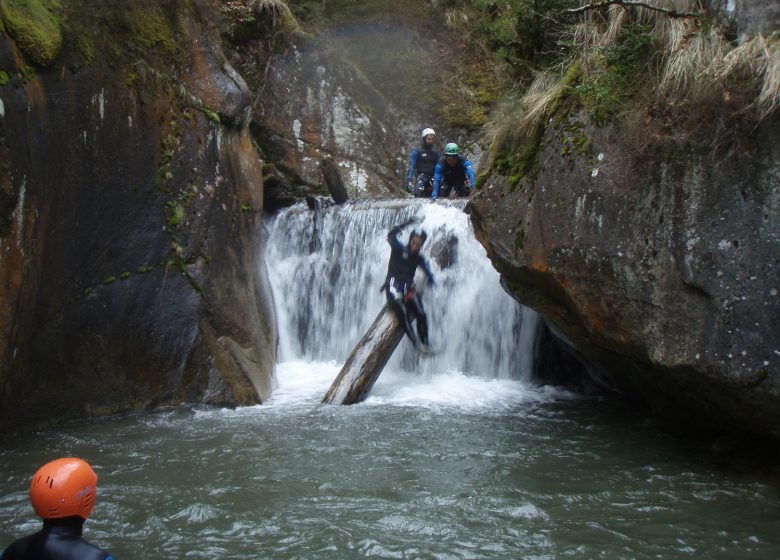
367 360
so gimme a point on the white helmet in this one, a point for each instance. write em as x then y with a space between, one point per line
428 131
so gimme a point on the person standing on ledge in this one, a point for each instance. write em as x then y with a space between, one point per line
454 172
399 284
63 494
422 163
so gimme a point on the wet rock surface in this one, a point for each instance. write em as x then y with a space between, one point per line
129 259
662 270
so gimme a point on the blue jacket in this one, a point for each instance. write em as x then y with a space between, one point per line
453 176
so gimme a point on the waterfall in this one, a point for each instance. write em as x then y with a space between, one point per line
327 267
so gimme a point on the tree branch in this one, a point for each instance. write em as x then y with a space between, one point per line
633 3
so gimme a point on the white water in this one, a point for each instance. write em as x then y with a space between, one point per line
326 269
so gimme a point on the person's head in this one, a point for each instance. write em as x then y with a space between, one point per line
416 240
428 137
64 488
451 153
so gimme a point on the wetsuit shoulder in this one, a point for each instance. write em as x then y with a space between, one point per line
54 547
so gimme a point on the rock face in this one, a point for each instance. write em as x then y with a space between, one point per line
130 258
360 94
662 269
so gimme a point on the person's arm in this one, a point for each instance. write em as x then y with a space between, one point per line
392 235
427 271
470 173
412 166
437 177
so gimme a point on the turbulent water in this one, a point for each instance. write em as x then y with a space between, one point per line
453 457
327 270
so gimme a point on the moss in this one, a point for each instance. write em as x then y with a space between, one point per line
35 26
175 214
4 78
153 31
27 74
144 269
169 143
482 178
211 115
109 280
124 275
85 45
616 73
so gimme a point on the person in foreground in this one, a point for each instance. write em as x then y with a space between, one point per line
453 174
63 494
399 284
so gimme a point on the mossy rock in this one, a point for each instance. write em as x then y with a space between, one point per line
35 26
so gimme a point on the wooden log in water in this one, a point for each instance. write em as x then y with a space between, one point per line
367 360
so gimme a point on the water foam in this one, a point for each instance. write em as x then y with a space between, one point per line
326 269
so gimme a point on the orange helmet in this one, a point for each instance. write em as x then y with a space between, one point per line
62 488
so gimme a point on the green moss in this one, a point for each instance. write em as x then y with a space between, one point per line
144 269
35 26
124 275
616 73
515 161
482 178
153 30
175 214
85 45
4 78
211 115
109 280
169 143
27 74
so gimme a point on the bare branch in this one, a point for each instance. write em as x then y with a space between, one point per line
633 3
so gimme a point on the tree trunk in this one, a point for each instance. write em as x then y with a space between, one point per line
367 360
334 181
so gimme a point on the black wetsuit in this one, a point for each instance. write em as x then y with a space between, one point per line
399 287
60 539
422 164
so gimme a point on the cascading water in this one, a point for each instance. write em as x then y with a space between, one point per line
327 267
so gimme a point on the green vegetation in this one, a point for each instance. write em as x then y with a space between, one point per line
4 78
616 74
36 27
682 74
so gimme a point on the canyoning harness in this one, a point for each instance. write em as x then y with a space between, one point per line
424 186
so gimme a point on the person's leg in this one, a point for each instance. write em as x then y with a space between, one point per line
420 187
415 308
396 301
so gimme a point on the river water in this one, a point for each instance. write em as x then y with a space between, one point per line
455 456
